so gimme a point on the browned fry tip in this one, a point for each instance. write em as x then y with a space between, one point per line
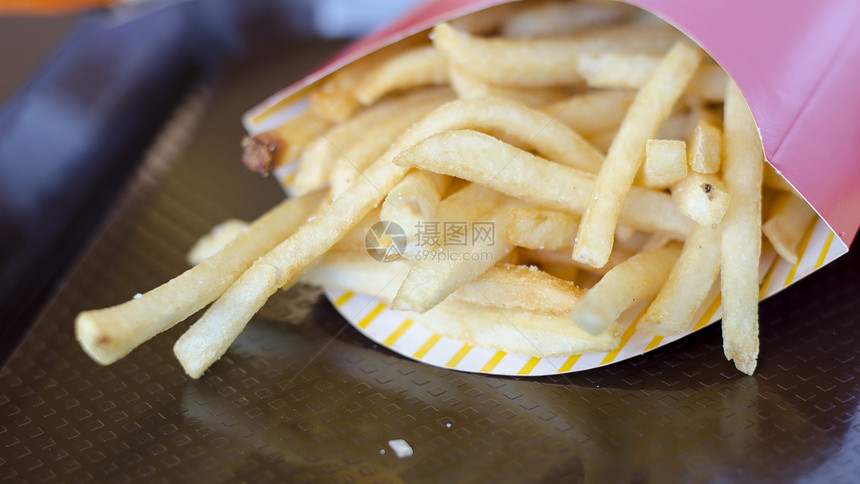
260 152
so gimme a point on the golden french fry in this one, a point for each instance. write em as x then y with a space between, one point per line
650 108
636 279
543 62
509 286
413 203
547 19
514 331
687 286
665 162
217 238
705 147
541 229
354 240
109 334
503 285
357 271
789 218
467 85
468 203
207 339
266 151
486 160
549 260
419 66
485 21
631 71
593 113
335 99
364 151
318 157
602 141
741 233
702 197
439 272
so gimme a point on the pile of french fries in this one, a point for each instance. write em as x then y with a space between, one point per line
614 160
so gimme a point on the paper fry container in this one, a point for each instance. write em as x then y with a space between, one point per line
796 63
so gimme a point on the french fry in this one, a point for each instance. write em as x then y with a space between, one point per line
503 285
594 112
789 218
357 271
467 85
109 334
547 19
208 338
364 151
549 259
318 157
541 229
354 240
542 62
413 202
335 99
665 162
217 238
418 66
266 151
509 286
741 233
439 272
687 286
602 141
514 331
636 279
650 108
631 71
485 21
704 151
468 203
483 159
702 197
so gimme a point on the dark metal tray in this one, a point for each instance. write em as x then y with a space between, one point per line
302 397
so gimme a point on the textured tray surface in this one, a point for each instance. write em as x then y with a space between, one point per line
303 397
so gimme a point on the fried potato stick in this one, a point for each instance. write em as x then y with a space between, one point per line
631 71
318 157
789 218
266 151
439 272
741 233
543 62
688 284
419 66
480 158
541 229
362 152
109 334
467 85
413 202
636 279
650 108
593 113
